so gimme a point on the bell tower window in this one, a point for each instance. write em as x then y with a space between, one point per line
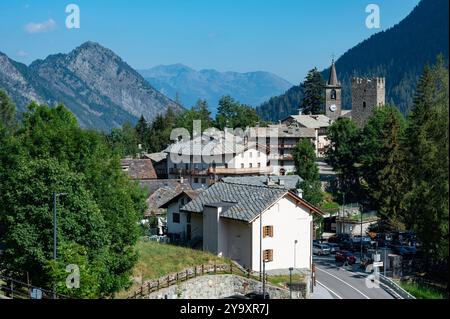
333 94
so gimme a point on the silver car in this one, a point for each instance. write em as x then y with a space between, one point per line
321 249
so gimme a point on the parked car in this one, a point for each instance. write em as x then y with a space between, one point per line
401 249
338 238
321 249
334 247
345 256
366 240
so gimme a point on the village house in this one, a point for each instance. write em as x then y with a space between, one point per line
139 169
247 223
206 159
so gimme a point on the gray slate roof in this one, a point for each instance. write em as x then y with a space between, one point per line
248 200
290 182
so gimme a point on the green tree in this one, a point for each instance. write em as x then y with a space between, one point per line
142 131
124 140
342 154
232 114
50 152
199 112
313 98
428 162
306 167
7 113
383 164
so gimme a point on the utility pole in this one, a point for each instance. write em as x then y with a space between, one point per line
290 282
361 243
264 279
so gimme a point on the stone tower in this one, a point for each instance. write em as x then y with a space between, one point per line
333 90
367 94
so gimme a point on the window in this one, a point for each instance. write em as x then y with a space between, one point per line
203 180
226 165
267 231
259 165
333 94
242 165
251 165
268 255
251 154
364 104
259 154
188 218
176 218
196 180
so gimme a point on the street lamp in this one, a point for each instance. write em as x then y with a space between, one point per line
290 282
295 252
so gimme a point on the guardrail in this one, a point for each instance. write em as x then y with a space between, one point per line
402 293
14 289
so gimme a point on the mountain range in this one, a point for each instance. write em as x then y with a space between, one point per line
399 54
92 81
187 85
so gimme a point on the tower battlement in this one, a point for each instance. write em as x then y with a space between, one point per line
378 81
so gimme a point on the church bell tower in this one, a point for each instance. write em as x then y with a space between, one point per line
333 97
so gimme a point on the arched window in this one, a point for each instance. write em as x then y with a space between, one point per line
364 104
333 94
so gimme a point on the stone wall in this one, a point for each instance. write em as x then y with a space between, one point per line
367 94
222 286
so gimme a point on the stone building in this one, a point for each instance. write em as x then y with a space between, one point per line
367 94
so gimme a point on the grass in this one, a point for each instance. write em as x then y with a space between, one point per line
423 292
283 280
157 260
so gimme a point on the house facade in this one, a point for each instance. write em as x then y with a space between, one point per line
206 159
248 224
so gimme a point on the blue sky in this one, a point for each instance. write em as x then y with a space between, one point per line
286 37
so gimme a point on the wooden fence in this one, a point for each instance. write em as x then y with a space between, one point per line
190 273
15 289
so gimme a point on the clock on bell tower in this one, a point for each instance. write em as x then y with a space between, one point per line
333 96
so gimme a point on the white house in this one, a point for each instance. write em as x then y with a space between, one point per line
249 224
205 159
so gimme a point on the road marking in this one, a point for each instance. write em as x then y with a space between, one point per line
382 286
339 297
365 296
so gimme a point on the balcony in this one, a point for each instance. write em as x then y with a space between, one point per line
278 157
241 171
188 172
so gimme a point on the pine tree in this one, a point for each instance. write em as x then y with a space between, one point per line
428 162
383 165
313 97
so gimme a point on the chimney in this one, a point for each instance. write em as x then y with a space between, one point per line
181 180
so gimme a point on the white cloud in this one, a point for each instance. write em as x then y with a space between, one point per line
45 26
22 53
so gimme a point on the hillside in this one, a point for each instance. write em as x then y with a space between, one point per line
399 54
251 88
92 81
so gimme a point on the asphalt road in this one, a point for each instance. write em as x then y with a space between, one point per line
342 282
